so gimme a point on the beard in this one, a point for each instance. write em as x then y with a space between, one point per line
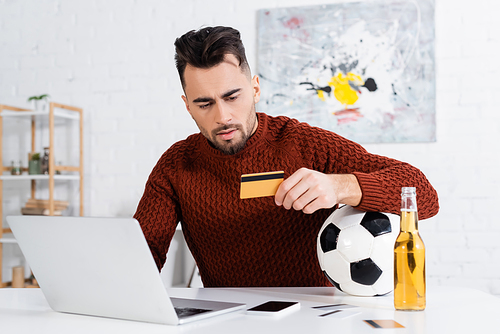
237 143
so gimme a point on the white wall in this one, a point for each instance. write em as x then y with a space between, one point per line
115 60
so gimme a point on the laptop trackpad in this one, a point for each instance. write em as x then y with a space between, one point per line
183 312
196 307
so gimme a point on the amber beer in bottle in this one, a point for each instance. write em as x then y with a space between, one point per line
409 257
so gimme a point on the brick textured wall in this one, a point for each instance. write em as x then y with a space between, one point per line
115 59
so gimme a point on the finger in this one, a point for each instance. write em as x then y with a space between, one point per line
297 196
287 185
305 200
312 199
313 206
323 201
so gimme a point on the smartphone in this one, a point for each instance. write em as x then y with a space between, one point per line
274 308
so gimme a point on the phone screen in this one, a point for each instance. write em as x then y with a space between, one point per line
272 306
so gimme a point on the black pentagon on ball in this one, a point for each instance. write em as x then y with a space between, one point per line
328 238
376 223
335 284
365 272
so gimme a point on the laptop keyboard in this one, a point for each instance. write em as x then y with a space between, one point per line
183 312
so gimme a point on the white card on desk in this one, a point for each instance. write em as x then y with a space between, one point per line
340 314
334 307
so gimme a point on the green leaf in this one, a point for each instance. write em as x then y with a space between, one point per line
38 98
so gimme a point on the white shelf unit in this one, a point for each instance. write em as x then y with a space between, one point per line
71 173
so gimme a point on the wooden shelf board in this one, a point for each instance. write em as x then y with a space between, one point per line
57 168
8 241
57 113
37 177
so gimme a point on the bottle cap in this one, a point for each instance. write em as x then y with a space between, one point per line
408 199
408 191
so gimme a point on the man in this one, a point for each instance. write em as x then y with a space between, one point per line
268 241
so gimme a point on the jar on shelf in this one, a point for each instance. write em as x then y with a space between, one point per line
33 163
15 168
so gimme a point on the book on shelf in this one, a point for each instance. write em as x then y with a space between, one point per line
44 204
39 212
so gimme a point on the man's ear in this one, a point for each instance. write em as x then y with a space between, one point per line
186 103
256 89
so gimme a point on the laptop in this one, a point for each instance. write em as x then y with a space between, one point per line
103 267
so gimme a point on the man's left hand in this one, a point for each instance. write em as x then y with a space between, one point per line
308 190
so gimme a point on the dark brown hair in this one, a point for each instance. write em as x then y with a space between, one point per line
207 47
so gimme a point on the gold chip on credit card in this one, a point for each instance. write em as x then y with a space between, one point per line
260 184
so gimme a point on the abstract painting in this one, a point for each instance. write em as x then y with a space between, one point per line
364 70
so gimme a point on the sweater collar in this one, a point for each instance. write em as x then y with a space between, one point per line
260 133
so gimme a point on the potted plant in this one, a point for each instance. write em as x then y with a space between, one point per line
39 102
34 163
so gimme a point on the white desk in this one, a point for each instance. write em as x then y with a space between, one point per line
449 310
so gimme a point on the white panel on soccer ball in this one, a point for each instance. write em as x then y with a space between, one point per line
321 257
385 283
346 217
355 243
336 266
383 251
357 289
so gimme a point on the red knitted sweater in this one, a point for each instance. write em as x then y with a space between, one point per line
253 242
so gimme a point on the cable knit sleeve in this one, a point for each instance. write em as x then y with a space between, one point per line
158 211
381 187
380 178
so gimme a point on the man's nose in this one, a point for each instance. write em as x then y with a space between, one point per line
222 113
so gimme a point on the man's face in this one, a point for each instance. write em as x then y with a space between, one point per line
221 100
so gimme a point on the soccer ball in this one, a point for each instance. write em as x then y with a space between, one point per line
356 251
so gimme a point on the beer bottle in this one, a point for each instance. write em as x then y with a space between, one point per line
409 257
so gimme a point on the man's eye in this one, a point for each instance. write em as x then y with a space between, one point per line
204 106
232 98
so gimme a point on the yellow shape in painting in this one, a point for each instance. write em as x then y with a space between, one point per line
343 92
321 95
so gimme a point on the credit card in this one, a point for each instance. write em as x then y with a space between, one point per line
260 184
384 324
